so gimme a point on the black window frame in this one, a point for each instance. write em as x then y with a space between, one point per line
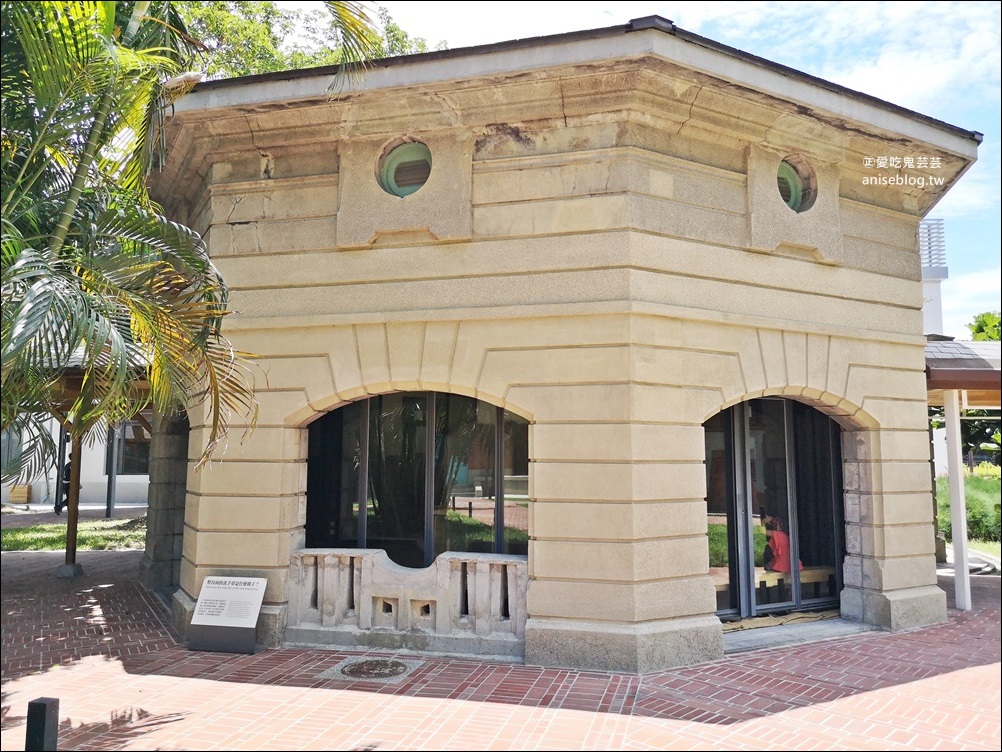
144 420
318 517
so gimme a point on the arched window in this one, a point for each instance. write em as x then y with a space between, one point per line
461 486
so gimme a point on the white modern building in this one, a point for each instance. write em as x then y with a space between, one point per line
123 454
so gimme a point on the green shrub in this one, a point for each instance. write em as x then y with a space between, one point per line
717 535
984 520
988 470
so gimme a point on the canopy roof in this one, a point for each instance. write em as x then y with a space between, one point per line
974 367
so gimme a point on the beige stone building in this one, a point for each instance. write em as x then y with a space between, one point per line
569 349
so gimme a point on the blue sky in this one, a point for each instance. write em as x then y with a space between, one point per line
942 59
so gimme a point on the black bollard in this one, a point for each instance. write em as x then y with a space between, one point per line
42 734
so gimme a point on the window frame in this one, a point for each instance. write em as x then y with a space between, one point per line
117 440
359 497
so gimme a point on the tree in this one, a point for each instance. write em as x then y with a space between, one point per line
396 41
97 284
98 287
985 326
240 37
107 305
982 435
244 38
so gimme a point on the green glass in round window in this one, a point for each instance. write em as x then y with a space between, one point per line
405 169
791 187
797 183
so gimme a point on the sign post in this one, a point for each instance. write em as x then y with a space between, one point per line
226 614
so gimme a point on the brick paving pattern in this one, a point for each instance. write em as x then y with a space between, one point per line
103 645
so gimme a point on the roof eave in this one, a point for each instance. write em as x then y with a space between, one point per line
646 36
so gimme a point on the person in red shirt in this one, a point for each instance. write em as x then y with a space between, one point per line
778 544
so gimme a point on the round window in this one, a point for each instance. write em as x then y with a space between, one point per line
797 183
405 169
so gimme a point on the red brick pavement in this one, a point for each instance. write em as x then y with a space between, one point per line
102 645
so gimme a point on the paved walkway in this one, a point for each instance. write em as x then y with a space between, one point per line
103 646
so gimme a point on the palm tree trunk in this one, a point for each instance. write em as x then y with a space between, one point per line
73 502
58 237
93 139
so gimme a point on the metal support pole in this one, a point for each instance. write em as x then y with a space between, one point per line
958 501
363 473
429 480
499 538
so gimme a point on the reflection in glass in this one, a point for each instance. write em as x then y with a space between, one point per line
464 474
476 486
819 489
770 500
774 503
333 479
397 452
516 484
133 443
720 512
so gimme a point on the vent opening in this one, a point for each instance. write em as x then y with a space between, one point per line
405 169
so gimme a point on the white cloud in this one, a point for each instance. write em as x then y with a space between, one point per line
921 55
967 295
927 56
975 194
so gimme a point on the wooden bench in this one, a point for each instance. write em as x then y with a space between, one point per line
769 582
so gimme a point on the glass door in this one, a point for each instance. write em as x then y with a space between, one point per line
820 517
721 511
774 506
768 497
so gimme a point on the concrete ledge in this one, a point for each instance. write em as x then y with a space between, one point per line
897 609
633 648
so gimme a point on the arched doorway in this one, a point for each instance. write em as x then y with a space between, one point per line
378 478
775 508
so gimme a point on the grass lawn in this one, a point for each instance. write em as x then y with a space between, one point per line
988 547
464 530
92 535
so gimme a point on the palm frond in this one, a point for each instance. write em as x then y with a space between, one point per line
107 305
31 449
357 39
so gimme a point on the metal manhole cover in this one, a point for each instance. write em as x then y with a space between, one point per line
374 668
362 668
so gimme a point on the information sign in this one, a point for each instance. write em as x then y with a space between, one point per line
226 614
